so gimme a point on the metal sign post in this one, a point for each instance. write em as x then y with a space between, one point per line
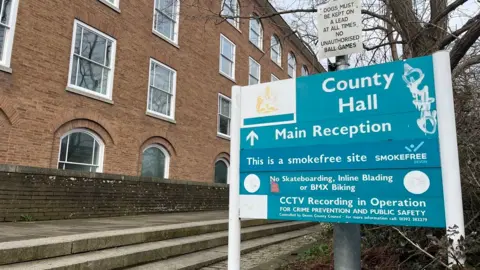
447 133
234 224
346 238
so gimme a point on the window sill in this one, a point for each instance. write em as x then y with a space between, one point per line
171 42
110 5
236 27
256 47
277 64
86 94
161 117
228 77
6 69
223 136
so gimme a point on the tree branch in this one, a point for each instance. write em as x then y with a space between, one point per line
466 64
382 45
447 11
418 247
463 45
455 34
375 28
381 17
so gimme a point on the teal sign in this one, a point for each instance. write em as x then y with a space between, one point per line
353 146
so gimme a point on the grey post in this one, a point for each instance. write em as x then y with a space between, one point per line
346 236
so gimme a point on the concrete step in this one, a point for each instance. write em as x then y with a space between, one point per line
43 248
136 254
208 257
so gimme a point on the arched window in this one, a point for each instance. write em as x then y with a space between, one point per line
304 70
155 161
256 33
221 171
231 8
292 65
276 50
81 150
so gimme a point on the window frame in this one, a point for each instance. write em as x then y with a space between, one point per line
159 115
115 5
225 161
166 172
84 91
260 35
294 67
176 28
101 144
234 50
305 71
273 76
6 58
279 62
219 134
236 21
250 60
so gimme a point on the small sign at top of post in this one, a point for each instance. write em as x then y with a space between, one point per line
339 28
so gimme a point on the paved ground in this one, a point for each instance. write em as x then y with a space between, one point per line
13 231
260 259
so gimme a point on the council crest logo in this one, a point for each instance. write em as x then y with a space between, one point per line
267 103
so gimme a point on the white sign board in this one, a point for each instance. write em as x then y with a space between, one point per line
339 28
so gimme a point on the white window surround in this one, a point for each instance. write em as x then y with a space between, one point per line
273 78
219 134
176 21
231 11
113 4
226 164
304 71
166 172
253 33
250 73
226 57
95 137
107 97
292 65
276 50
171 117
9 27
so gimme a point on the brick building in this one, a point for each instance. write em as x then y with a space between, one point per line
135 87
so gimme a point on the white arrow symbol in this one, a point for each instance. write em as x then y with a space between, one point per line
252 136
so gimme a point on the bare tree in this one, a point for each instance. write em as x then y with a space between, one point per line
394 29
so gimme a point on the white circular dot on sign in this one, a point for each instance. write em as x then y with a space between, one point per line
252 183
416 182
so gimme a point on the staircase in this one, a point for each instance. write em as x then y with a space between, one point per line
177 246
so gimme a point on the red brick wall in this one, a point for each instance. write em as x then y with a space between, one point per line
44 194
35 109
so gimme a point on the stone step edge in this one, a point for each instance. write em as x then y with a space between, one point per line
218 254
50 247
121 257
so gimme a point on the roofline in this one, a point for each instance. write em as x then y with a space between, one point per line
296 40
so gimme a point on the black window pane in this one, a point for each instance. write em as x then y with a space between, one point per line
90 76
221 172
224 125
5 17
153 163
97 150
80 148
93 46
3 32
63 148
